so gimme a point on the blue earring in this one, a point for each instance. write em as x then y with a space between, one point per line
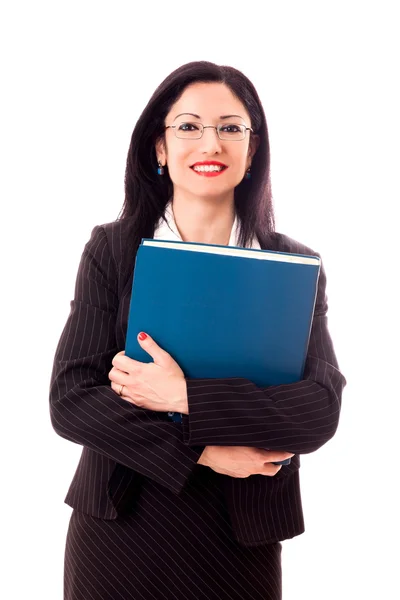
248 174
160 169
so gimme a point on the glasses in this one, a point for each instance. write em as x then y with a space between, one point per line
225 131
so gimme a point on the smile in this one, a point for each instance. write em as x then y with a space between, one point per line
209 170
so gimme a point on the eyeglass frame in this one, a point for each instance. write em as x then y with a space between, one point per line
216 127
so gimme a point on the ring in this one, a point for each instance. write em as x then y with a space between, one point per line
120 390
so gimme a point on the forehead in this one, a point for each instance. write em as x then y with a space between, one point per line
209 101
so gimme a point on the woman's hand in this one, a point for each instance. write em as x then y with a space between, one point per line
242 461
159 386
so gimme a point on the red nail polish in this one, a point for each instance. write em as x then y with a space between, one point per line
142 336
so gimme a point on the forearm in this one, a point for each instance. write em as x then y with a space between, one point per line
92 414
83 406
298 417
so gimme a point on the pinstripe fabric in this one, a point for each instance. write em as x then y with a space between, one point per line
170 548
137 480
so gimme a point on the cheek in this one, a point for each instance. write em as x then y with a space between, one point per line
239 160
242 157
239 164
178 164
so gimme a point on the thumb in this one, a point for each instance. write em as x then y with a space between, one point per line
160 357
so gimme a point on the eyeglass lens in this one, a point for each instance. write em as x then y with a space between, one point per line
194 131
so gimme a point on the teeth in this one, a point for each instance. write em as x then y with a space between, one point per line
207 168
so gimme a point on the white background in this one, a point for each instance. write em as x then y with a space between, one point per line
75 77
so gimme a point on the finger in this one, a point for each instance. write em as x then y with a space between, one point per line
270 469
125 363
115 374
118 377
116 387
119 354
160 356
275 455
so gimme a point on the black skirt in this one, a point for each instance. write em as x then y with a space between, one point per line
168 547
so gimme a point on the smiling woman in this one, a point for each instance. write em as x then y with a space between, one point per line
215 142
194 507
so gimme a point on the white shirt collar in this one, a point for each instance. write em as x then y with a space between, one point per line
169 231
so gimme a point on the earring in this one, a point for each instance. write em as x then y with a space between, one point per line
248 174
160 169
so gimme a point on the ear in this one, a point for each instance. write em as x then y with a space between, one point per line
253 145
161 152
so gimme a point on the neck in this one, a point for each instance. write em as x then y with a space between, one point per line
205 221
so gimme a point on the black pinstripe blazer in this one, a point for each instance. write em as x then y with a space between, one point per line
123 443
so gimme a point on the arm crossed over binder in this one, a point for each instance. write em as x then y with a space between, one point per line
249 329
228 410
299 417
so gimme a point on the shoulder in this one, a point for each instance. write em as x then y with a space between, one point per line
116 230
111 249
283 243
112 237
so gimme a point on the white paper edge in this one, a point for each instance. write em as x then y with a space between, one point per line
234 251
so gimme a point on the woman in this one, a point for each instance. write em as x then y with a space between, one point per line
193 508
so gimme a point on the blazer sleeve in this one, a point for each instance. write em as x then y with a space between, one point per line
83 407
298 417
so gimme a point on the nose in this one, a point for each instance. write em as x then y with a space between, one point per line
210 141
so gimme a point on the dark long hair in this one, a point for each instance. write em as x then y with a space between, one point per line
147 193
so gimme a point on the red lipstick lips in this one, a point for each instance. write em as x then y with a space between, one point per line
209 163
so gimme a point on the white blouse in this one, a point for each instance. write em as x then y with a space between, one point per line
169 230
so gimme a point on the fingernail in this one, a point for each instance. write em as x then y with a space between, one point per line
142 336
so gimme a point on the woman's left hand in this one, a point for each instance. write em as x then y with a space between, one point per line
159 385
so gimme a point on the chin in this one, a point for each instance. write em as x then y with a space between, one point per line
208 188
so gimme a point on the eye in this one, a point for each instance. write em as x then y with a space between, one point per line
231 128
188 127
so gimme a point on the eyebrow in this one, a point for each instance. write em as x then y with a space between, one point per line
198 116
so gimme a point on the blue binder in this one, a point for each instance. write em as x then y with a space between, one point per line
223 311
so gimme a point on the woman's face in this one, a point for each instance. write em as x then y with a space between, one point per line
208 104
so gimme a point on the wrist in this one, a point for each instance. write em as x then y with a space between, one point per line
183 406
